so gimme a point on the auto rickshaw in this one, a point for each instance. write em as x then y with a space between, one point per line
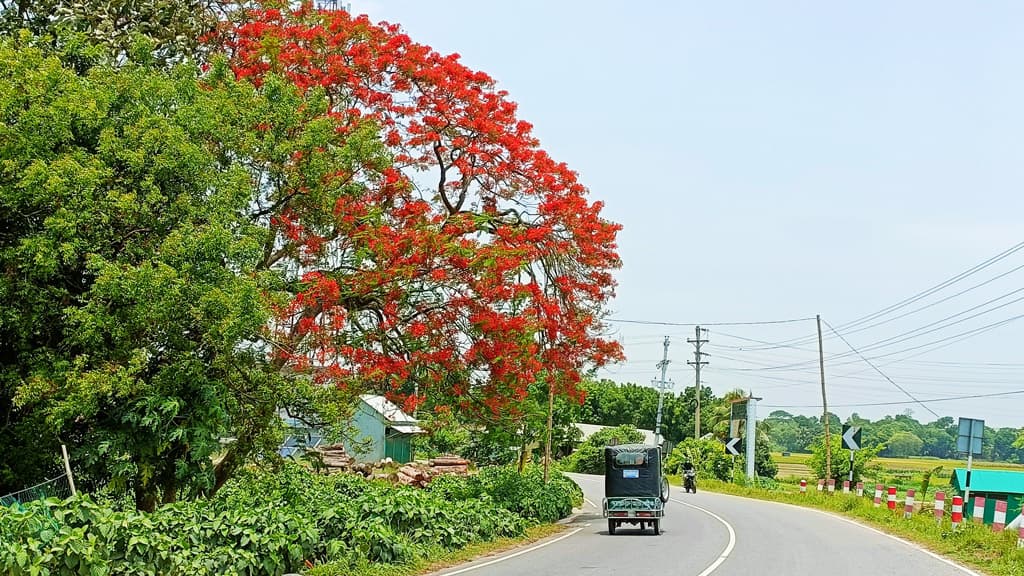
635 490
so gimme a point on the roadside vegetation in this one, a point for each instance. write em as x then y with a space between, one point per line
973 545
287 520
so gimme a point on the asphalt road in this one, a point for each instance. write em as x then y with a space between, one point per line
708 534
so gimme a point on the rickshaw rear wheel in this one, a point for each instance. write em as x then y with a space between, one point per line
611 526
657 527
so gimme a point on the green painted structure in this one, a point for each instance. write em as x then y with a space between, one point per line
992 485
382 430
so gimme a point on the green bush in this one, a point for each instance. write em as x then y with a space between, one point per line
589 457
271 523
525 494
707 455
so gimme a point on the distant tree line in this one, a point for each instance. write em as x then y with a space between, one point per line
901 435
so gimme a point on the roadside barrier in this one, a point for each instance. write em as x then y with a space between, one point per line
999 520
957 515
831 485
878 495
979 509
1020 536
821 485
892 498
846 486
860 489
803 486
940 506
908 504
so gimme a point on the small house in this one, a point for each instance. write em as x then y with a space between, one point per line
382 430
992 485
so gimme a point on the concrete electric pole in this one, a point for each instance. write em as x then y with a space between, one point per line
697 363
661 392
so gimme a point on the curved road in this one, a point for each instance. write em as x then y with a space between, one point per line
708 534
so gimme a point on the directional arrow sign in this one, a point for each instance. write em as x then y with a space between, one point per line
851 437
732 447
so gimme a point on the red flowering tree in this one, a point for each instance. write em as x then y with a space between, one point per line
461 263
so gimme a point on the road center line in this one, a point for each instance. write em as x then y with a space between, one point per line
732 538
510 556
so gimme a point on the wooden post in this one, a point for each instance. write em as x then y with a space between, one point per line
67 469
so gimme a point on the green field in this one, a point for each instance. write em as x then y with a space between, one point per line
903 472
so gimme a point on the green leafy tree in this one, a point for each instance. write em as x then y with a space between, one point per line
136 289
904 444
589 457
707 455
840 463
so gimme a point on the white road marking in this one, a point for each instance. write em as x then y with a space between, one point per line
913 545
732 538
587 500
510 556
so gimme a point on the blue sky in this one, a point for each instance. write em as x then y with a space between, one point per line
777 160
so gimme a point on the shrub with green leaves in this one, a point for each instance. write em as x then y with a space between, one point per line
589 457
271 523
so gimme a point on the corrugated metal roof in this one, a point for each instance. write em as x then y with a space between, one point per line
991 481
387 409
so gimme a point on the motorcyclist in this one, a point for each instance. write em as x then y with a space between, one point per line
689 476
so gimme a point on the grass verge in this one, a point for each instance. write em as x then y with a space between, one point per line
439 558
973 546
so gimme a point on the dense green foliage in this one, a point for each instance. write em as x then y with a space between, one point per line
589 456
137 287
841 459
610 404
706 455
269 523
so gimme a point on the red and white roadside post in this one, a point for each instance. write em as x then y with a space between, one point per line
940 506
831 485
803 486
892 498
860 489
878 495
908 505
999 519
1020 536
821 485
979 509
957 515
846 486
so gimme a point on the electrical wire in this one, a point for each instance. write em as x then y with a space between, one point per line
657 323
899 403
804 340
891 381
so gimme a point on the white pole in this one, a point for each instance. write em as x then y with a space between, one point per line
751 433
67 469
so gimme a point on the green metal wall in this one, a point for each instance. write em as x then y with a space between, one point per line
398 447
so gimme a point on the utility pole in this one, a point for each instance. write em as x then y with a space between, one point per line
661 393
697 363
824 404
751 434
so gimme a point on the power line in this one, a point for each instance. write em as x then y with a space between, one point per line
891 381
901 403
687 324
803 340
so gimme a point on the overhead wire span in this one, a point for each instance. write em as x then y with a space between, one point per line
891 381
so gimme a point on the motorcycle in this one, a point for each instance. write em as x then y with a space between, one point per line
690 481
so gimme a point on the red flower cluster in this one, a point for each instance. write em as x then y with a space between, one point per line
472 266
